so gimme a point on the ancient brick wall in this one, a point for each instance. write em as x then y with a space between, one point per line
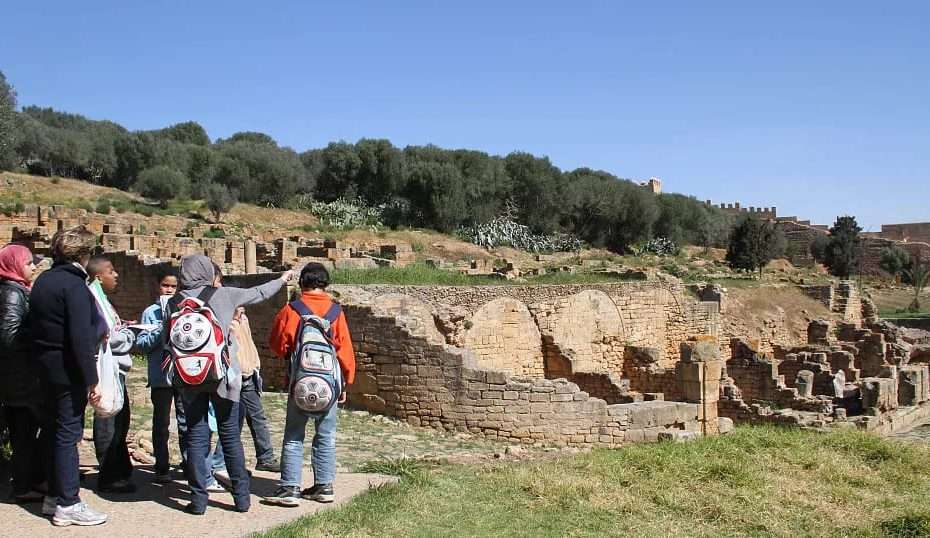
656 314
914 231
437 385
504 337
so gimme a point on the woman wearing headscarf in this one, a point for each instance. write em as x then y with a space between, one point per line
20 391
198 275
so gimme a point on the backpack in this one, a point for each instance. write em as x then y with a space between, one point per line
196 353
315 376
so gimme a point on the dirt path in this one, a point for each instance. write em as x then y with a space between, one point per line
156 510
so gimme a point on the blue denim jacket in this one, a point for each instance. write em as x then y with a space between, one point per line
153 345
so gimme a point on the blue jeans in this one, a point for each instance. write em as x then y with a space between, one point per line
323 457
161 423
66 404
251 411
198 439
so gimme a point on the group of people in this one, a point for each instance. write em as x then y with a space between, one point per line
54 333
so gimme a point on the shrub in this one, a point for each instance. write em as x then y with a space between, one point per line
214 233
503 231
344 214
660 246
103 206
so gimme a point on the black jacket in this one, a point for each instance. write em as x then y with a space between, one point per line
19 382
65 326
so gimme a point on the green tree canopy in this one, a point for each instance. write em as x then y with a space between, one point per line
8 124
894 260
161 183
842 253
219 200
753 244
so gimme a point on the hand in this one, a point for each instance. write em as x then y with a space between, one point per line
94 394
287 276
342 397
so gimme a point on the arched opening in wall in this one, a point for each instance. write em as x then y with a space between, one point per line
587 331
503 336
412 314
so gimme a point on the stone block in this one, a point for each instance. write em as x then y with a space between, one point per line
805 383
677 436
913 387
724 425
879 393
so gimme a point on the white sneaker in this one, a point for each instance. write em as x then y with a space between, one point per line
215 487
49 504
77 514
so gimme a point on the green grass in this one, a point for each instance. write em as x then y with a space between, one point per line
904 313
754 482
420 274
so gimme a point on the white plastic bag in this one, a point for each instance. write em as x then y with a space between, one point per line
109 384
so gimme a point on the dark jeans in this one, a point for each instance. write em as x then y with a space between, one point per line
29 457
198 438
161 423
251 411
66 404
110 444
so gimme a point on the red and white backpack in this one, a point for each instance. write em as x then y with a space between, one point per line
197 356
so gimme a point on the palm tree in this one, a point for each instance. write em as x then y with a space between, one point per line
918 275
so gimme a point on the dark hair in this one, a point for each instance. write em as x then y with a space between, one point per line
73 245
217 270
165 273
314 276
96 264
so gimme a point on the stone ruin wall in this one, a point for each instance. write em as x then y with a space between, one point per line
428 355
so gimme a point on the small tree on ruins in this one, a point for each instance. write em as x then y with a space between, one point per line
753 244
918 275
219 200
894 260
842 254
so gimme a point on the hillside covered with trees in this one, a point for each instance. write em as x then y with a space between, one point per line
416 186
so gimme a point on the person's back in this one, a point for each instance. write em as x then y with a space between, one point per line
313 282
66 331
197 275
65 326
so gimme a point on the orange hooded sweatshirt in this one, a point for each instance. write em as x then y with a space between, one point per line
284 332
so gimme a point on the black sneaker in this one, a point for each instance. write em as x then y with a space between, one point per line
273 466
120 486
285 496
321 493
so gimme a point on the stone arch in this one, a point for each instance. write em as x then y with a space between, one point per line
503 336
410 313
588 328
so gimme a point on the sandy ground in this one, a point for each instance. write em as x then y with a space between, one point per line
156 510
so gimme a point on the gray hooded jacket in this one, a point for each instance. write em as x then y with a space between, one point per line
196 274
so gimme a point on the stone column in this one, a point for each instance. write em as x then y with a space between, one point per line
251 265
698 374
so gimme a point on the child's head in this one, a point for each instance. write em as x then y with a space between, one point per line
101 268
167 282
217 276
314 277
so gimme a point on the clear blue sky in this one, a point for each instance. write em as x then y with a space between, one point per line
820 108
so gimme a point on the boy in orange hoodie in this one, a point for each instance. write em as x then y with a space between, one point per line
314 278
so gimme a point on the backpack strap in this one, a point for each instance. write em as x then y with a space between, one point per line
300 308
207 294
333 313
